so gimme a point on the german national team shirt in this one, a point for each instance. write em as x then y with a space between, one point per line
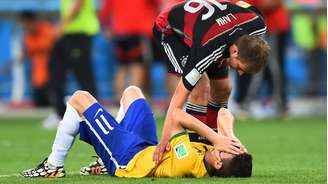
209 28
183 160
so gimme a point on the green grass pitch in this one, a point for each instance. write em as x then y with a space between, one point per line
284 151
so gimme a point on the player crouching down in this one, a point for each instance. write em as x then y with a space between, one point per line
126 144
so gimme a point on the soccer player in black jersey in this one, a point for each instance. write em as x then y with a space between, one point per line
202 40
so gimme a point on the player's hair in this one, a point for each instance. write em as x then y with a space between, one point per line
253 51
238 166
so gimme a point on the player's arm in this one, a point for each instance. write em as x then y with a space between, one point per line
177 101
225 124
182 120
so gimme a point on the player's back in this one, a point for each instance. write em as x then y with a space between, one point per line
200 21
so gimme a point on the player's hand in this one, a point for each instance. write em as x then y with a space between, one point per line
160 149
229 145
242 148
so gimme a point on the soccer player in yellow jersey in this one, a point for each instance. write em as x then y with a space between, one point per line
126 144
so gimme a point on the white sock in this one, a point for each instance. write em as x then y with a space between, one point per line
68 128
120 114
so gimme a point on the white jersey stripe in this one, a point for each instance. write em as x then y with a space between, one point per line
176 62
209 61
200 108
259 31
197 110
104 145
209 56
169 56
172 58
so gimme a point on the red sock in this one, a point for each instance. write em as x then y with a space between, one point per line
212 113
198 111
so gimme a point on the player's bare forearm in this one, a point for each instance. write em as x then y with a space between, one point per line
178 99
225 122
183 120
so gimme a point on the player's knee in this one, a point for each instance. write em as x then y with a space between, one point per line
80 100
131 94
132 91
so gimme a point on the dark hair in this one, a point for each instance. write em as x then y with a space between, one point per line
253 51
28 16
238 166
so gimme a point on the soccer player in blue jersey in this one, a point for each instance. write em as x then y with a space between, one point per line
126 144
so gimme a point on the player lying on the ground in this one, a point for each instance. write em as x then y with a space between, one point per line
126 145
225 124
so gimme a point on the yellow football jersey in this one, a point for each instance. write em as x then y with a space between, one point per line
183 160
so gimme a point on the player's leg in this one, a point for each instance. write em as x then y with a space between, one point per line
67 130
198 99
220 85
219 95
139 118
172 83
130 95
69 126
177 54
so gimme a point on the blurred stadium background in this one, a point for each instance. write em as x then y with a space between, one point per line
306 77
305 59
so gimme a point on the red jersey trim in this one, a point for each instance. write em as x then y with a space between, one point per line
189 23
236 20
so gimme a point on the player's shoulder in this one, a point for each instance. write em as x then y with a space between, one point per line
178 137
243 6
240 3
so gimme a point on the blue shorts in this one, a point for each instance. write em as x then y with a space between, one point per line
116 144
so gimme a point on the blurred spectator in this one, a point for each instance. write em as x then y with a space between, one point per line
38 41
129 24
72 50
277 20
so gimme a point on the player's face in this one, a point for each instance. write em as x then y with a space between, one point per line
213 158
234 61
236 64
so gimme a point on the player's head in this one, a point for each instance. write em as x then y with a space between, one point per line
249 54
222 164
28 19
